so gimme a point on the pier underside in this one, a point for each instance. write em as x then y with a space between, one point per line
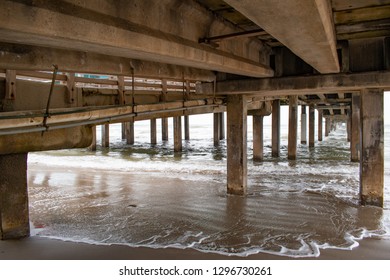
66 67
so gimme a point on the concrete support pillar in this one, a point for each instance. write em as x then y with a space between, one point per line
303 125
327 127
311 126
217 130
106 135
130 133
123 130
355 128
222 126
14 215
187 128
177 134
164 129
236 144
320 125
258 138
372 156
153 131
93 144
276 128
348 127
292 127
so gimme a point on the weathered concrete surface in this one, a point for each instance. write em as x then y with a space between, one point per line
216 128
237 145
14 214
320 119
164 129
303 125
258 138
42 24
25 57
300 85
311 126
292 127
105 135
69 138
177 134
276 128
305 27
355 128
187 128
153 131
372 156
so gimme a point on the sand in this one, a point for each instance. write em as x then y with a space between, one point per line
40 248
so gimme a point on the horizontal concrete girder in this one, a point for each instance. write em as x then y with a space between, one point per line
305 27
300 85
25 57
109 35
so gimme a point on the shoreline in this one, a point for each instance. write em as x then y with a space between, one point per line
41 248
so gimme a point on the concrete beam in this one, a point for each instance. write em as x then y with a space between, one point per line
300 85
25 57
42 24
69 138
237 145
14 214
305 27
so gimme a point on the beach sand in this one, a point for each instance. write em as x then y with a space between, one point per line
40 248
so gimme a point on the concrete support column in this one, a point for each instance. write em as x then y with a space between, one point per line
311 126
327 127
177 134
123 130
320 125
372 156
222 126
187 127
258 138
355 128
130 133
303 125
106 135
348 127
153 131
93 144
164 129
292 127
217 130
276 128
14 215
236 144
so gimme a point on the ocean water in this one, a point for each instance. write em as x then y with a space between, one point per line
146 195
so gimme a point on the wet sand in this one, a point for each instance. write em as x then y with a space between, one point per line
40 248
